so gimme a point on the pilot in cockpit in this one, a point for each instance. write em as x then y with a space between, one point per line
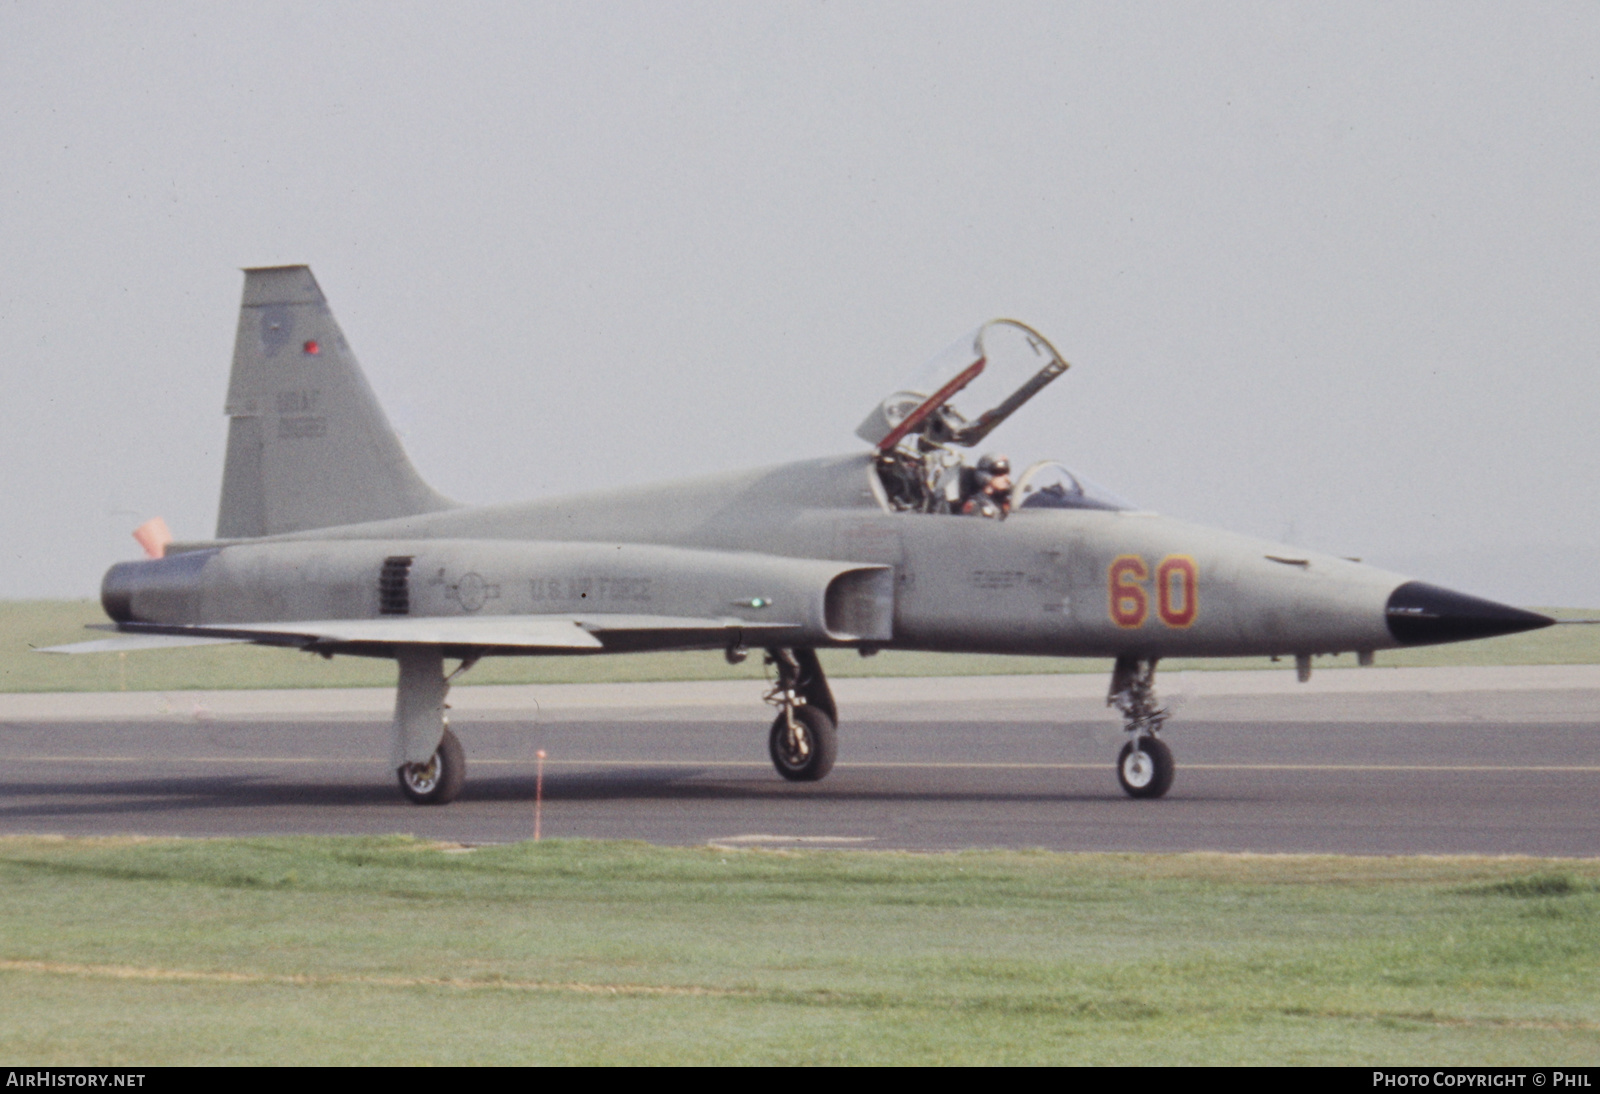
986 489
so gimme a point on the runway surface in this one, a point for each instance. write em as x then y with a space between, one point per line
1378 761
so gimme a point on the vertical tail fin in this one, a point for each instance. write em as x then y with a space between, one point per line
308 444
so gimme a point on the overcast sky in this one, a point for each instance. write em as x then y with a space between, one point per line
1325 273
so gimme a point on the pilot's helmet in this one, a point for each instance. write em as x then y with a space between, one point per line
992 465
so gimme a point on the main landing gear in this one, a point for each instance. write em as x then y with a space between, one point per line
429 761
804 738
439 780
1144 766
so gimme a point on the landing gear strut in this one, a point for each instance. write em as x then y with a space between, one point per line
1144 766
804 738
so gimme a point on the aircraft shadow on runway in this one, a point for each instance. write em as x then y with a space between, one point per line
44 799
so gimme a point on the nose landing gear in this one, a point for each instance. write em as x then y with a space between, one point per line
1144 766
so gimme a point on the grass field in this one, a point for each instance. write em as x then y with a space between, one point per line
28 624
322 950
397 951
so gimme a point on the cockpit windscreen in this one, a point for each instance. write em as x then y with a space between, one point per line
1050 485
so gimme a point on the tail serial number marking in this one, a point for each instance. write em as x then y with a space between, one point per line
1177 591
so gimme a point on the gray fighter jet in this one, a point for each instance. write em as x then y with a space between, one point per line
329 541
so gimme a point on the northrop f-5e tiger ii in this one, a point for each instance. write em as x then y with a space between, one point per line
329 541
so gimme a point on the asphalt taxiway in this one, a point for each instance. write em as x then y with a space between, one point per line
1375 761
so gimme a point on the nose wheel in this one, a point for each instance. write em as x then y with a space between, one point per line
1145 768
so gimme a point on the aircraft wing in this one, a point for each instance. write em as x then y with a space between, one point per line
481 634
131 643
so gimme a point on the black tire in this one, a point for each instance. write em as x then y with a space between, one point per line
1145 771
438 781
811 756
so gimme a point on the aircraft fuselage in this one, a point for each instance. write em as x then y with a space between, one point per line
1086 583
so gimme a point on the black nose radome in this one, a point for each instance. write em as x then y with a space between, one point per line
1421 614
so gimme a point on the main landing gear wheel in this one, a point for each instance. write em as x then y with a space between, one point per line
438 781
1145 768
806 753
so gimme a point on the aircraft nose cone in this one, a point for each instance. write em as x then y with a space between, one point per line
1420 614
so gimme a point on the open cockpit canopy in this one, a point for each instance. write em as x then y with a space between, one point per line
955 401
961 395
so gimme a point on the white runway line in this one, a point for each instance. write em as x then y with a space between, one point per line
931 765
